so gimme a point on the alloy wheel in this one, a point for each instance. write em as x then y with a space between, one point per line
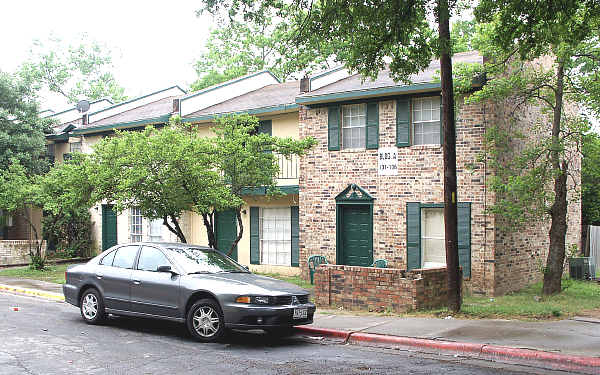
90 306
206 321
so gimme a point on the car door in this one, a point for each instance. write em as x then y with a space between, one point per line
114 275
153 292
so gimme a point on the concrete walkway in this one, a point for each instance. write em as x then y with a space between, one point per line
577 336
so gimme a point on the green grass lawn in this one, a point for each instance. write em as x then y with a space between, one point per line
52 273
577 298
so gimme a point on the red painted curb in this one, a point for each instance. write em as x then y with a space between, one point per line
324 332
590 365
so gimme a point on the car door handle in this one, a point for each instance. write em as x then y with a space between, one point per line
136 282
99 275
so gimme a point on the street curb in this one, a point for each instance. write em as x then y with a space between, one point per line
32 292
537 358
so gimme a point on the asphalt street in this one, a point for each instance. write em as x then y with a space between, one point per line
45 337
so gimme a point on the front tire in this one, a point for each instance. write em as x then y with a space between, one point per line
91 306
205 320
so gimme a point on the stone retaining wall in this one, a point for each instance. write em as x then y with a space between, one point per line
379 289
14 252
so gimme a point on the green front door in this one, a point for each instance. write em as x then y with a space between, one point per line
226 231
356 235
109 226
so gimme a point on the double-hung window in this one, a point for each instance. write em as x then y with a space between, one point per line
354 122
75 147
426 120
156 227
135 224
432 238
418 121
275 236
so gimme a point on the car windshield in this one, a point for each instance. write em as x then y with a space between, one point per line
196 260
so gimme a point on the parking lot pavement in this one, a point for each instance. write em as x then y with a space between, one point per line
46 337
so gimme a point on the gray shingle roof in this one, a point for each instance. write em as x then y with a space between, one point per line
355 82
268 96
144 112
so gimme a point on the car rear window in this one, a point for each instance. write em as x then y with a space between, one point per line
125 256
107 260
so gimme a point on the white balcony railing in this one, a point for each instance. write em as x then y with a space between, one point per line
288 167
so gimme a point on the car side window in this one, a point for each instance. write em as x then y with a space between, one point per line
107 260
125 256
151 258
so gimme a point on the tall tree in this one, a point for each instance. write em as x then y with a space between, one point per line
163 172
560 39
372 32
77 71
246 46
22 131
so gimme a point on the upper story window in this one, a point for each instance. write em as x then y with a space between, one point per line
426 120
75 147
354 122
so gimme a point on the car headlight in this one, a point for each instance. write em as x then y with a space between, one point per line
258 300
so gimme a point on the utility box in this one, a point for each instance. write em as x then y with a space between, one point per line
581 268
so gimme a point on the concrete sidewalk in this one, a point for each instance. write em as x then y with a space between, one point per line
572 344
578 336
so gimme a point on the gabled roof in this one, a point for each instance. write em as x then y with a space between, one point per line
356 86
270 98
157 111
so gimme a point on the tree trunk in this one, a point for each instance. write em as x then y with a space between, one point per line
558 212
175 229
210 229
450 197
238 215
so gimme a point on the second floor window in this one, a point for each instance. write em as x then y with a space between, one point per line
75 147
426 120
354 122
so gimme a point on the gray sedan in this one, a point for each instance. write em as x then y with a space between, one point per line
191 284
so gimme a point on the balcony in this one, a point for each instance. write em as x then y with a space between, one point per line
288 167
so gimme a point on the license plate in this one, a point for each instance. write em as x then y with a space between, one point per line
300 313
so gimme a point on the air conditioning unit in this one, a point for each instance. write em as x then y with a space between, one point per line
582 268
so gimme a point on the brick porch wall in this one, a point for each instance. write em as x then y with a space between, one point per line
379 289
16 251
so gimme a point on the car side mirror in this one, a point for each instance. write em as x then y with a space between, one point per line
164 269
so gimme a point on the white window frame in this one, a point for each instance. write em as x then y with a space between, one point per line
430 123
136 227
156 231
354 120
426 236
285 240
75 146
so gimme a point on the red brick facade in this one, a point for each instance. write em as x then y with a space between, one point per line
501 261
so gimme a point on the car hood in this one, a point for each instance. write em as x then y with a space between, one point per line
269 284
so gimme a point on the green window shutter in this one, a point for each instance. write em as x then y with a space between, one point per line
372 125
464 237
265 127
334 128
295 236
403 122
413 235
254 236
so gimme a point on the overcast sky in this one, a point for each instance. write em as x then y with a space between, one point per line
155 42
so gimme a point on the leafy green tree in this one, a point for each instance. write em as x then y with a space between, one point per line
65 195
248 160
590 178
462 33
18 194
246 46
22 131
80 71
163 172
370 34
550 61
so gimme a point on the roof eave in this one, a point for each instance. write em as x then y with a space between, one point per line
368 93
122 125
271 110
